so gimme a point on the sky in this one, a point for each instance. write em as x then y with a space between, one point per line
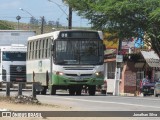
9 9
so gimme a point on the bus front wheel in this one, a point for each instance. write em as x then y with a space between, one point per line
78 90
92 89
71 91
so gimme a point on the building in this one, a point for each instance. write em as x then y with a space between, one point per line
8 37
138 61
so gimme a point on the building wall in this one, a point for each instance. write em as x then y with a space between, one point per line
128 81
8 37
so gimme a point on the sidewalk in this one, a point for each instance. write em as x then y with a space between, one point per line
131 94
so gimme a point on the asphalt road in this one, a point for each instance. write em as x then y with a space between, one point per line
103 102
98 102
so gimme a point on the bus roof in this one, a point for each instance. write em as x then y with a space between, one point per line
51 34
55 34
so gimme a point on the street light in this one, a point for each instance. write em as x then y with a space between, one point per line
29 26
26 12
42 18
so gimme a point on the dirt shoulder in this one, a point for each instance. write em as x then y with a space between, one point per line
26 103
44 107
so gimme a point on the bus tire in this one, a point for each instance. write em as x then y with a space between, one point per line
92 89
78 91
71 91
52 90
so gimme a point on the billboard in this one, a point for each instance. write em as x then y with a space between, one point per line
111 45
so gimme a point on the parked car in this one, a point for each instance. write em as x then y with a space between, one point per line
147 87
157 89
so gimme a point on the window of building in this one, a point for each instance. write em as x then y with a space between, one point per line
139 77
111 67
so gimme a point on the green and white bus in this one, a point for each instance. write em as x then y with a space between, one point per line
66 59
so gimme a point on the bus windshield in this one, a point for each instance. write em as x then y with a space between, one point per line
13 56
84 52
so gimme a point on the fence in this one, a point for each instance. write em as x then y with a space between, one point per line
20 86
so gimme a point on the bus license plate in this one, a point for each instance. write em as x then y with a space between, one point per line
79 79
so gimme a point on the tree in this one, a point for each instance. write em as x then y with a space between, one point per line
51 23
33 21
4 25
127 18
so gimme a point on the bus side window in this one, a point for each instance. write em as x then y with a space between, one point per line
39 56
46 48
49 47
29 50
36 49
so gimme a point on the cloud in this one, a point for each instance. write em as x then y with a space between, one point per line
9 4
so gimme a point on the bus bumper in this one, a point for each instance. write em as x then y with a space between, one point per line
60 80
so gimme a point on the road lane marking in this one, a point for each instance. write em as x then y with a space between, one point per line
137 98
120 103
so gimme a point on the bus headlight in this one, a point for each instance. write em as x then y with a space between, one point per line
98 73
58 73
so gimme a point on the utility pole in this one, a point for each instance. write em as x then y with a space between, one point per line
42 24
70 18
119 60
